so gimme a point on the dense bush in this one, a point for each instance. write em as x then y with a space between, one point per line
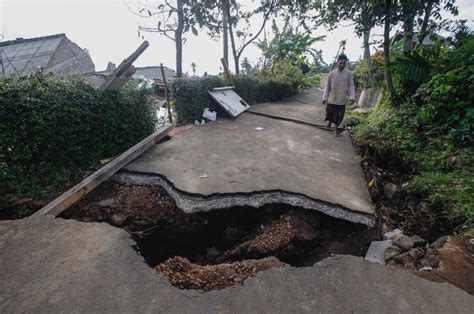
191 95
51 126
430 136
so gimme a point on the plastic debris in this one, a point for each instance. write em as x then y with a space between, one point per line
203 175
259 128
391 234
426 268
209 115
196 122
203 122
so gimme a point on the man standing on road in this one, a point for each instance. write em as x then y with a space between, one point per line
339 85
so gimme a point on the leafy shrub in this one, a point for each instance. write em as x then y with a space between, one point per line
50 126
191 95
428 139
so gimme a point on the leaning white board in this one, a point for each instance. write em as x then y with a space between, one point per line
229 100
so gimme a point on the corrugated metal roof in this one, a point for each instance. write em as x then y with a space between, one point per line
154 73
150 73
24 56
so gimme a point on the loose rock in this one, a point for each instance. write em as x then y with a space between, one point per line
409 259
418 241
403 242
391 252
391 234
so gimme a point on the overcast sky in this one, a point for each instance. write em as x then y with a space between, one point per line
110 32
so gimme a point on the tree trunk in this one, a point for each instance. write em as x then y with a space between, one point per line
386 47
370 79
234 50
179 40
408 35
225 23
408 23
424 25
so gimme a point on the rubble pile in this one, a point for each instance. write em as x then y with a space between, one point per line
185 275
275 237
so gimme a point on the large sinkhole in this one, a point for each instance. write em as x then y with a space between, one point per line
217 249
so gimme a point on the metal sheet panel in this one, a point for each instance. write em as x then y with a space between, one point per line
28 56
230 101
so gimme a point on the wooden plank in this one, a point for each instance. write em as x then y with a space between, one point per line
122 69
74 194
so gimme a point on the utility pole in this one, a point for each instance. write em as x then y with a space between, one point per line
342 46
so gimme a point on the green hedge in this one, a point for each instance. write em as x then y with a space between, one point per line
51 126
191 95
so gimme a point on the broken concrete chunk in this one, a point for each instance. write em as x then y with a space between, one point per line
404 242
418 241
391 234
376 252
391 252
409 258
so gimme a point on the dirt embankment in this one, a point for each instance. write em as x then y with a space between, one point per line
447 256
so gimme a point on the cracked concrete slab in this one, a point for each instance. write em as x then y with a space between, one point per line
52 265
231 159
306 107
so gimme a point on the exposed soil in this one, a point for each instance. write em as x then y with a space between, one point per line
443 261
185 275
406 211
214 250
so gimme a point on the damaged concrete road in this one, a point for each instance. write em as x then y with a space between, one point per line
55 265
305 107
230 163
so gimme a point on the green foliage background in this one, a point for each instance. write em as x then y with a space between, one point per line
427 137
50 127
191 95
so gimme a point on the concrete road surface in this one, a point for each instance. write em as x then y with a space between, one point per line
230 158
52 265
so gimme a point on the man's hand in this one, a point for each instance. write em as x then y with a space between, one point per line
325 102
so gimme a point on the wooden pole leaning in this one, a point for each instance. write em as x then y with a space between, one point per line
168 104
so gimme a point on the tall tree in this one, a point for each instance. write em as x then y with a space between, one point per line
225 29
365 16
234 25
175 19
432 8
266 9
